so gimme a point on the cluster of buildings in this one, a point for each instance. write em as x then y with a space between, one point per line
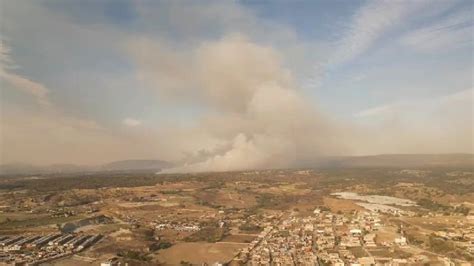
323 238
462 237
177 226
35 249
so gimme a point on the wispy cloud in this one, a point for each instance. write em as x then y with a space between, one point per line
429 125
452 101
5 59
369 23
379 110
376 19
454 31
35 89
131 122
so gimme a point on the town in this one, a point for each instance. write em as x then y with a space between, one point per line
325 238
267 217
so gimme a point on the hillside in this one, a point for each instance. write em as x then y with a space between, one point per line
400 160
384 160
125 165
136 165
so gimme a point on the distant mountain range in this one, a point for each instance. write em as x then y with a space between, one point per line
116 166
386 160
136 165
400 160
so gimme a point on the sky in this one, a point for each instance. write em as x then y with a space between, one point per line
226 85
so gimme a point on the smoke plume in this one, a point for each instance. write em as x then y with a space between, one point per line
257 118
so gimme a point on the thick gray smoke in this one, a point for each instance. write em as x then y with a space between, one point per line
257 118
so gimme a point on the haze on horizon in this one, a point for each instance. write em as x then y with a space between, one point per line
227 85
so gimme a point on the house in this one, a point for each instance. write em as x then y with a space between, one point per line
401 241
355 232
111 262
366 261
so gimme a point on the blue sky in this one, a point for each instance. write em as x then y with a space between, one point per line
126 76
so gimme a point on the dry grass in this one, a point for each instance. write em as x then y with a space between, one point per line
198 253
386 234
239 238
341 205
438 223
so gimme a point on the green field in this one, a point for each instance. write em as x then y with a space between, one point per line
10 221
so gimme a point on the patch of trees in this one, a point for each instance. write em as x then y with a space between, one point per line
439 245
209 234
134 255
250 228
160 245
271 201
214 185
171 191
434 206
92 181
462 209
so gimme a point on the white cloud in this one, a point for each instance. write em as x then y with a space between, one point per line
379 110
131 122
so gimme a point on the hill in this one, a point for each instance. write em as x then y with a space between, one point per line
126 165
400 160
117 166
384 160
